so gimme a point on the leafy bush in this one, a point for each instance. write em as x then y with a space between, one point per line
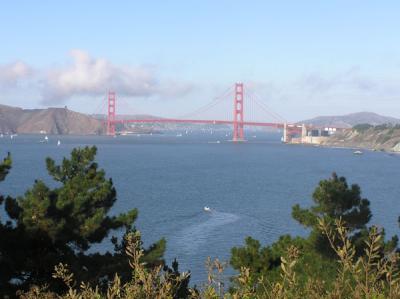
367 276
382 127
362 127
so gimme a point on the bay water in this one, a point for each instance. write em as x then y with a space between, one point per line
250 187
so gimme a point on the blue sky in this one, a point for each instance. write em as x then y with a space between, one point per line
304 58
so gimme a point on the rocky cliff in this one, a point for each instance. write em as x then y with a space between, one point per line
381 137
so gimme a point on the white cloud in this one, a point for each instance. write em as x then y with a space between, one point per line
12 73
94 76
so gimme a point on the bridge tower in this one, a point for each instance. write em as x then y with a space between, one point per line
238 113
111 113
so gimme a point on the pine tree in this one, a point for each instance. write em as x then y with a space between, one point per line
61 224
5 167
6 235
333 199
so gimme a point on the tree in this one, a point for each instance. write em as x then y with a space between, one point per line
59 225
6 234
5 167
334 199
260 260
265 261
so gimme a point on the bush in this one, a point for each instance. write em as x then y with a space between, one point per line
362 127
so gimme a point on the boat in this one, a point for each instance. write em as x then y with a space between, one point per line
179 135
207 209
46 138
358 153
58 143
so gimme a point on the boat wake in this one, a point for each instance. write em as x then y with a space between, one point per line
193 236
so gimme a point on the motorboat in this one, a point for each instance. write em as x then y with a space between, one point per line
207 209
58 143
357 152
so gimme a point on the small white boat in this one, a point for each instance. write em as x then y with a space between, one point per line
358 153
207 209
58 143
179 135
46 138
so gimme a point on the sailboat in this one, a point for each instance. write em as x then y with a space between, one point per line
58 143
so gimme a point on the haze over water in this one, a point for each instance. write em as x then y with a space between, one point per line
249 187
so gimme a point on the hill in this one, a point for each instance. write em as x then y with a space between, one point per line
49 121
379 137
126 116
350 120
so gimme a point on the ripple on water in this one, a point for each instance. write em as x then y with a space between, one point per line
195 235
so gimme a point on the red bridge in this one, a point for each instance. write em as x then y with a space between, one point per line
237 117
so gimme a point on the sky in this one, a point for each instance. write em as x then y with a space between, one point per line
302 58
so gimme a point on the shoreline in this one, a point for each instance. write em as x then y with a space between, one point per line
360 148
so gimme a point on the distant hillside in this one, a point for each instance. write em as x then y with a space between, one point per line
156 126
126 116
49 121
380 137
349 120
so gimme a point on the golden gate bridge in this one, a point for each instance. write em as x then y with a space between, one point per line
237 120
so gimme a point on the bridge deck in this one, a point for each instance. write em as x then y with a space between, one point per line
200 121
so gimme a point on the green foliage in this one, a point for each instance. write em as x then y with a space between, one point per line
143 282
341 258
367 276
362 127
259 259
334 199
7 234
5 167
76 212
59 225
382 127
264 262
